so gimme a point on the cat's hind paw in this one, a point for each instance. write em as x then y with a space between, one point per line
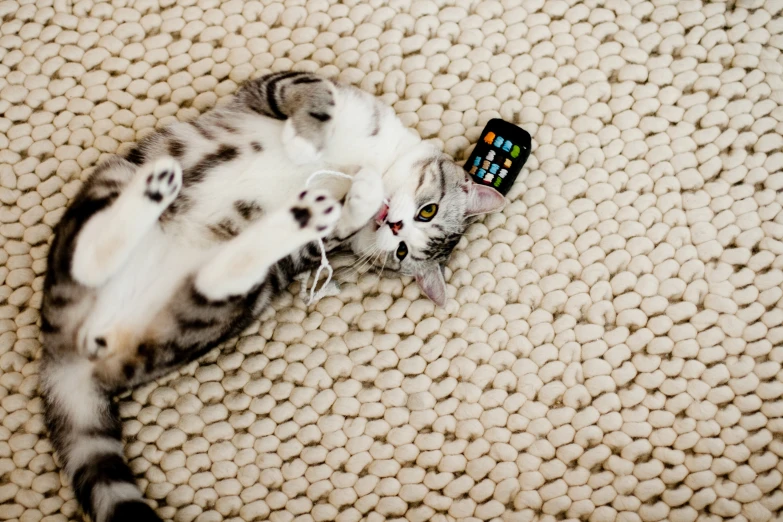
92 346
316 211
164 181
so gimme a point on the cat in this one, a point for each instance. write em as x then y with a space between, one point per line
180 244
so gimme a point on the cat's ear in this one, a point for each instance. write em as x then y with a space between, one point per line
432 283
483 200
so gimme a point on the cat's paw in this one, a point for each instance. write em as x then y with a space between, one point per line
298 149
91 345
164 181
365 196
316 211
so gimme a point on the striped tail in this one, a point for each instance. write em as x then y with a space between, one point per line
86 432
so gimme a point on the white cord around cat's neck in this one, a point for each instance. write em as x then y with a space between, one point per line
316 296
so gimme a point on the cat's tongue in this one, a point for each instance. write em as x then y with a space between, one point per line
382 213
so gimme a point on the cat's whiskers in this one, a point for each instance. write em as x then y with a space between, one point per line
364 254
367 261
385 259
372 261
364 257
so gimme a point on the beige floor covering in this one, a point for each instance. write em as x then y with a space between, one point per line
612 345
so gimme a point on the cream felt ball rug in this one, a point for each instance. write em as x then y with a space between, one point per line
612 344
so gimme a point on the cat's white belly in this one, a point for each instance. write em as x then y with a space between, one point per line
129 302
269 180
131 299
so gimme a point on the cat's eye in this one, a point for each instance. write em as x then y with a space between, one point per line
427 212
402 250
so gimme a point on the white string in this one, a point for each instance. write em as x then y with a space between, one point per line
317 296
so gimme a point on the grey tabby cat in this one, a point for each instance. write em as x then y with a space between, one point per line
182 243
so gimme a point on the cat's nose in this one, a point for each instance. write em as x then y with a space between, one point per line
395 227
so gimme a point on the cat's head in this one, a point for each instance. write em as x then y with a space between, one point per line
430 202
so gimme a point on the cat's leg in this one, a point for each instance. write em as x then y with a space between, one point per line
305 100
109 236
344 128
339 124
364 200
244 262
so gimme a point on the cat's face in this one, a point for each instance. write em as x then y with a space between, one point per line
429 202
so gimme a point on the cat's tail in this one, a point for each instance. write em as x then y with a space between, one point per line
85 429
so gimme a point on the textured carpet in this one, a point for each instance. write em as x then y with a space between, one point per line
612 345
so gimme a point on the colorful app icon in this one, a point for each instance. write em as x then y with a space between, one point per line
515 151
497 182
477 161
503 173
494 168
485 165
480 174
498 141
474 169
489 138
507 163
491 155
507 145
488 178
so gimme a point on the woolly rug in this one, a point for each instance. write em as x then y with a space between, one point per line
612 345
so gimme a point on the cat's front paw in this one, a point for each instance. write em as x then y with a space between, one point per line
365 196
316 211
299 150
164 181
